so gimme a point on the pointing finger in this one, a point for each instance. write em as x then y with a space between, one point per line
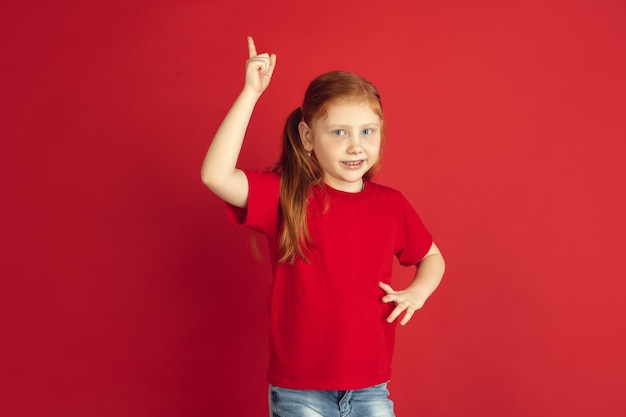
251 47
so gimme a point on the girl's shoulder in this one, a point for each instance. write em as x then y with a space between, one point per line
263 182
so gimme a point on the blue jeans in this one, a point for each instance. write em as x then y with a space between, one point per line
366 402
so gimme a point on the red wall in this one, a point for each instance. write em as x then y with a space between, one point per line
125 291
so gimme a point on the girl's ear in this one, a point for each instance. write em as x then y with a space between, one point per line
305 136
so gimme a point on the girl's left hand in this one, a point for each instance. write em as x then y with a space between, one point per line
406 300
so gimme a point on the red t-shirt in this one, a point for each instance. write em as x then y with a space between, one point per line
328 328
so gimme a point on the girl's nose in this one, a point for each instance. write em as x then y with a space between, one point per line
354 146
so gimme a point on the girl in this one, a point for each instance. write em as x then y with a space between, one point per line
332 236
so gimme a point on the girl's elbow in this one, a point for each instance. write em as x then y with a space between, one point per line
209 180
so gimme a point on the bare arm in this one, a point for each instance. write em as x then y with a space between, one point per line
219 171
427 278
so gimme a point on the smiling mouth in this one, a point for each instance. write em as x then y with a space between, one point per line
354 164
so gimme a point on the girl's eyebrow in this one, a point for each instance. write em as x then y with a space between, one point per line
347 126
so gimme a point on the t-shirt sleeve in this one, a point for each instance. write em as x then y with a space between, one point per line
262 212
414 239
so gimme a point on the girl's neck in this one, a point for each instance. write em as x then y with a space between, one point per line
353 190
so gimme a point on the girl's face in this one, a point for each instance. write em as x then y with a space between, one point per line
346 143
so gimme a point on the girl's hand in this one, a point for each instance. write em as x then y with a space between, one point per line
407 300
259 68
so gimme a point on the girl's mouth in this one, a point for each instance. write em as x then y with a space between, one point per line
353 164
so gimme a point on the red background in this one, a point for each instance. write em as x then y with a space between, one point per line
125 291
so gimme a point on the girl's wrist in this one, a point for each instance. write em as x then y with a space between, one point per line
251 93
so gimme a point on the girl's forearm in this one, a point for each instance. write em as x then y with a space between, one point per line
221 158
428 276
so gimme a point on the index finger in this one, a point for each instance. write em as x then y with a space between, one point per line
251 47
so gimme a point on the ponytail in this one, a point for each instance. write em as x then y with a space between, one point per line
299 172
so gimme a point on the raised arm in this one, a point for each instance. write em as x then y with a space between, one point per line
219 171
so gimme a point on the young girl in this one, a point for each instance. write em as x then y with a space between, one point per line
333 234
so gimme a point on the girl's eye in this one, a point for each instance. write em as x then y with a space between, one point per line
339 132
367 131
